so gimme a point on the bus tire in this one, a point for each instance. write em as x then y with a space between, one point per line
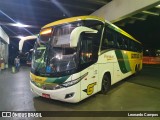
137 69
106 83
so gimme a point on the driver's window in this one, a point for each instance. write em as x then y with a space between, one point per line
86 50
89 48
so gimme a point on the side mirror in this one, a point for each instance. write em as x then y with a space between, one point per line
75 34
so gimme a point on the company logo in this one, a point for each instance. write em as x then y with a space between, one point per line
109 57
21 114
90 88
6 114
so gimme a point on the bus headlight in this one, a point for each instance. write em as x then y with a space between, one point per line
66 84
72 82
63 85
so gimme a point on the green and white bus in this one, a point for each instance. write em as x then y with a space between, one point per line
77 57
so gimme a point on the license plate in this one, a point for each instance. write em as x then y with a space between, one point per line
45 95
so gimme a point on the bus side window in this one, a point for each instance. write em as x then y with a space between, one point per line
139 47
126 44
122 42
119 42
108 40
104 44
87 46
129 44
134 46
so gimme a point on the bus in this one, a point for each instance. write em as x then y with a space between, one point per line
76 57
26 54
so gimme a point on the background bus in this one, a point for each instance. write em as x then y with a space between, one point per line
25 49
77 57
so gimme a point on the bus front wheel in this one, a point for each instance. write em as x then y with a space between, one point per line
106 83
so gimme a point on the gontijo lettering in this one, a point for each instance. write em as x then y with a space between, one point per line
135 55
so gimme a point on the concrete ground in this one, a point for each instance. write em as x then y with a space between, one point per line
136 93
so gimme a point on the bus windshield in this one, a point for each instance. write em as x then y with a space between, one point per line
58 55
38 58
62 59
59 58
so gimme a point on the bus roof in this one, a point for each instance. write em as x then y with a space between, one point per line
72 19
116 28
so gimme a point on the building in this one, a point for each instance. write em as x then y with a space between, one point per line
4 41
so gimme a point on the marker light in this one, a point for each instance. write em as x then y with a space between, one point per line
46 31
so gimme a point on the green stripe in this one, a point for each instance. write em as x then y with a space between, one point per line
123 61
58 80
126 61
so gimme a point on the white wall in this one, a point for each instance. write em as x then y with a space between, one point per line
4 41
3 35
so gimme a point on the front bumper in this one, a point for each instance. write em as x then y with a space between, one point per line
60 94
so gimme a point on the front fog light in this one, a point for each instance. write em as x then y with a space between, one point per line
69 95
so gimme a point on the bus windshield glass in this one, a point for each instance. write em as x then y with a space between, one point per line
53 55
58 56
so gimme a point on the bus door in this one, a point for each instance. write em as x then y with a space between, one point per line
89 68
89 81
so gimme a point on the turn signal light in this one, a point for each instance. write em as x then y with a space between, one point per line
46 31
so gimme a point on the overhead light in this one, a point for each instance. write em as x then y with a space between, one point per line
20 25
151 13
137 18
158 6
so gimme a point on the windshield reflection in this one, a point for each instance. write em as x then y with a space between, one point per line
57 56
62 59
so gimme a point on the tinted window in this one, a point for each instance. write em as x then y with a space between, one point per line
119 42
89 48
108 39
